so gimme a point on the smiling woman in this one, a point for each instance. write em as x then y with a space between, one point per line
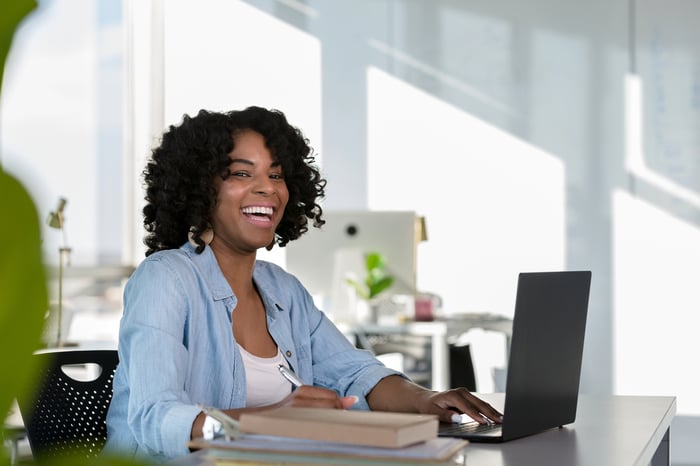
219 187
207 323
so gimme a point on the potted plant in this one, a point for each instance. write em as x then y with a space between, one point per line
377 280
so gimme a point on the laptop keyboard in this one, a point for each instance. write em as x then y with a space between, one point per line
466 428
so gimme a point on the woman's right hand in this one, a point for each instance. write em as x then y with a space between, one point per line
304 396
317 397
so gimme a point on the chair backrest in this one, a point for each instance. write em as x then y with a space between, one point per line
67 416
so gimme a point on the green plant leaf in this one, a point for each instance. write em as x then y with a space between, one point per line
361 291
11 14
379 286
23 295
374 261
376 280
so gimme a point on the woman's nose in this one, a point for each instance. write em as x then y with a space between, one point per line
264 186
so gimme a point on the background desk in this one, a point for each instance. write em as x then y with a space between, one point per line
440 331
609 431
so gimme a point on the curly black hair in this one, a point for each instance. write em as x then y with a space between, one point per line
180 175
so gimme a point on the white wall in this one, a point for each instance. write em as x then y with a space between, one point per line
506 125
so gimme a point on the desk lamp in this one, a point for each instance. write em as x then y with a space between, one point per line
56 220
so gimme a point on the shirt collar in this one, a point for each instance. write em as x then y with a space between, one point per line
220 289
209 268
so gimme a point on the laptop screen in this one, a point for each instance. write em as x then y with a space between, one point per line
544 366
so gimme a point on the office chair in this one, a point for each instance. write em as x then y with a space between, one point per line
67 416
462 373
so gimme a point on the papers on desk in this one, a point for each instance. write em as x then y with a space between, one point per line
266 449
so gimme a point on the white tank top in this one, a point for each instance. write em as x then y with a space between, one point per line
264 383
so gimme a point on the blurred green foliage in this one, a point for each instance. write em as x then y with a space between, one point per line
376 280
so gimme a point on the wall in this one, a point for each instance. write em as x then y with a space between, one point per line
510 126
532 135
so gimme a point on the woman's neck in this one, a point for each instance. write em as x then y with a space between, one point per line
237 269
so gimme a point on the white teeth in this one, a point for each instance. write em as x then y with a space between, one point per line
257 210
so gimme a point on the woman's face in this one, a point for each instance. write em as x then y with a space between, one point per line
251 201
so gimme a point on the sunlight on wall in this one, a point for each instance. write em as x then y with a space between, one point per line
494 204
635 160
283 72
656 278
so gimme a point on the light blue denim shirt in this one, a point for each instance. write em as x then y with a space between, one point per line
176 349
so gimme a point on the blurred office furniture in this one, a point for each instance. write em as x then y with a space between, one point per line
57 220
11 437
461 371
431 342
405 352
415 357
66 414
92 304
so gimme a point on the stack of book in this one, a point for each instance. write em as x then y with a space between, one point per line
332 436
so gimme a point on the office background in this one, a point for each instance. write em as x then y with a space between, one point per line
531 135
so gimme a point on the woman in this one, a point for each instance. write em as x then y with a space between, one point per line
205 322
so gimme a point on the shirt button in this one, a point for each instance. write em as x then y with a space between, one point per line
288 354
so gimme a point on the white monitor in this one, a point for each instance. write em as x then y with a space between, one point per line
323 258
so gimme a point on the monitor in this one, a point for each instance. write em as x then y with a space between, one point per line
323 258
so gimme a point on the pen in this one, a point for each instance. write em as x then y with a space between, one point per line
291 376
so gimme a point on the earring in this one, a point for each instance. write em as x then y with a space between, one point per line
207 236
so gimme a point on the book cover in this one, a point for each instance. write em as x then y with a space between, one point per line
368 428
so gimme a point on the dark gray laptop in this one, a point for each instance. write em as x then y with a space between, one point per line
544 366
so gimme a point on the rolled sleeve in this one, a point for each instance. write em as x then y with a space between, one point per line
339 365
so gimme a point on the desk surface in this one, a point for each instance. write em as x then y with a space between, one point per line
609 430
452 325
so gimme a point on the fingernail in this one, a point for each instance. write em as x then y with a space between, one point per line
456 418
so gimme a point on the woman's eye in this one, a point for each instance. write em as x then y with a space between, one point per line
277 176
240 174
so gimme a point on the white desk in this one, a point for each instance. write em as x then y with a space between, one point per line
609 431
439 332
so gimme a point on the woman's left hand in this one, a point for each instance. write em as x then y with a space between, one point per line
395 393
456 401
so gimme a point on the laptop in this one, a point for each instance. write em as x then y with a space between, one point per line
544 366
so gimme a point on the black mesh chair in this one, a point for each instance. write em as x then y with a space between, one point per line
66 415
